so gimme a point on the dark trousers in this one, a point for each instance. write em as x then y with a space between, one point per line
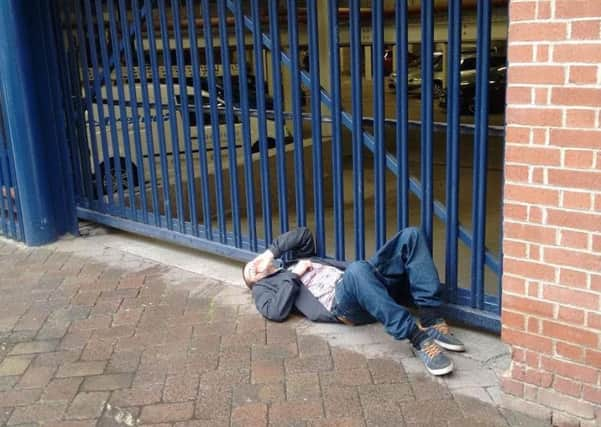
364 293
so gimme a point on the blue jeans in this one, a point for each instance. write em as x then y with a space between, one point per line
364 293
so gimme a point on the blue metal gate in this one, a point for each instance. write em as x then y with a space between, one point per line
10 223
219 124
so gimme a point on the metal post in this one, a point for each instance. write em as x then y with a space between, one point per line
35 120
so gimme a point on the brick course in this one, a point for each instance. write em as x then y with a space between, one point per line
552 213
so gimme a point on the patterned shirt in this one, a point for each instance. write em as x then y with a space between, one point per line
321 281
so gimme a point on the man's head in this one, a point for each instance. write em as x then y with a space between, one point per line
251 275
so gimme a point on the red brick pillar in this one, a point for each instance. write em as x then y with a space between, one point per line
552 210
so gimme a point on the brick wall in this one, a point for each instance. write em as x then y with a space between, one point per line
552 209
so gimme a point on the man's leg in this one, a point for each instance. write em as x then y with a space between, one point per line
363 298
406 256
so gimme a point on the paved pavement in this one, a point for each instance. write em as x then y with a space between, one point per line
91 334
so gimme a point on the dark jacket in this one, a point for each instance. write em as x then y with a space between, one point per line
277 294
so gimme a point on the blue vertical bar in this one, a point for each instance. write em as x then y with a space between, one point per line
452 154
158 105
337 163
274 31
147 114
246 142
91 34
297 120
125 30
90 125
427 22
378 100
480 154
402 114
230 120
73 125
184 111
263 148
37 160
110 103
316 128
8 187
173 113
116 54
200 125
357 128
209 55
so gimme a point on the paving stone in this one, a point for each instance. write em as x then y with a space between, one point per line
65 423
309 345
386 371
213 402
129 316
375 394
298 410
249 338
426 388
308 364
12 398
6 383
384 413
348 377
81 369
346 360
5 415
87 405
180 388
243 394
53 330
254 414
167 412
339 422
280 334
36 377
39 412
123 362
430 411
107 382
137 396
75 340
274 351
16 365
267 371
62 389
97 349
34 347
302 386
55 358
342 401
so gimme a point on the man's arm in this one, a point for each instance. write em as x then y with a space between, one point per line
299 241
275 300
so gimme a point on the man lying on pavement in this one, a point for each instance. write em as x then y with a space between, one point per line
326 290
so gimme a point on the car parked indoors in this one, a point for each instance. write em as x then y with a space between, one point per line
497 82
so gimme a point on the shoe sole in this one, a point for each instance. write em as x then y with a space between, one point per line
441 371
451 347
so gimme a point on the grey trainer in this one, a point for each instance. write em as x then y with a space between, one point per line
436 362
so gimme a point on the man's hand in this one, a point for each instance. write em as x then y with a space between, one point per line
263 261
302 266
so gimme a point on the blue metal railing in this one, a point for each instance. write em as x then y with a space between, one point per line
201 124
10 223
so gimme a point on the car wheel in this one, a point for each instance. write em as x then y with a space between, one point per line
256 147
113 174
437 90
